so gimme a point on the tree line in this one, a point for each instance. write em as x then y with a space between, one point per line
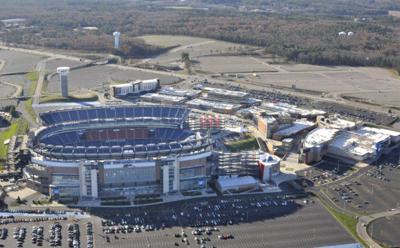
309 37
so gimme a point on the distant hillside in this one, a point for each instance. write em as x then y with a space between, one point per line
300 30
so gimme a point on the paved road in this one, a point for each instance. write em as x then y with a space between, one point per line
18 87
192 77
41 68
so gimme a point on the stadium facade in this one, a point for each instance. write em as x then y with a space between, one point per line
98 152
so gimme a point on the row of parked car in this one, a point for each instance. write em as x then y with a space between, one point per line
20 235
89 235
37 235
55 236
73 236
12 220
3 233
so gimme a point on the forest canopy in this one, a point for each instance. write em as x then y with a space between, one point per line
301 31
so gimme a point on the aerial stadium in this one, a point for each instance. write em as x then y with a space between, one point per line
97 152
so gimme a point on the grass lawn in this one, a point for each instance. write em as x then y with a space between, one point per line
248 143
349 222
33 77
20 126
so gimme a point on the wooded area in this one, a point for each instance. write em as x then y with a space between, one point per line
300 36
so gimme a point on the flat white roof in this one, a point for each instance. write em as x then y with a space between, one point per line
280 108
319 136
353 143
124 85
236 181
381 130
269 159
90 28
129 84
339 123
226 92
373 134
179 92
161 97
13 20
296 127
213 104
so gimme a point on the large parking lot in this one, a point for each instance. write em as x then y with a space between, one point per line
243 222
327 171
94 78
373 191
28 241
18 61
246 221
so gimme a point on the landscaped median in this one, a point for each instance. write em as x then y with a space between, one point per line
349 222
33 77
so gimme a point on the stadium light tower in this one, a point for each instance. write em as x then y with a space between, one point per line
116 39
63 72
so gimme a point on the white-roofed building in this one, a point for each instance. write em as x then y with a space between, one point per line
236 184
394 135
281 108
135 87
315 144
226 95
189 94
226 108
161 98
336 122
364 144
15 22
351 146
295 128
319 137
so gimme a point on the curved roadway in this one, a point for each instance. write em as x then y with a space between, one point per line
364 221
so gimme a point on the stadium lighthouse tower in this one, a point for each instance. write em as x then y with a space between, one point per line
63 72
116 39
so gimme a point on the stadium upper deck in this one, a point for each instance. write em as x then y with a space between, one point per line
116 132
169 114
